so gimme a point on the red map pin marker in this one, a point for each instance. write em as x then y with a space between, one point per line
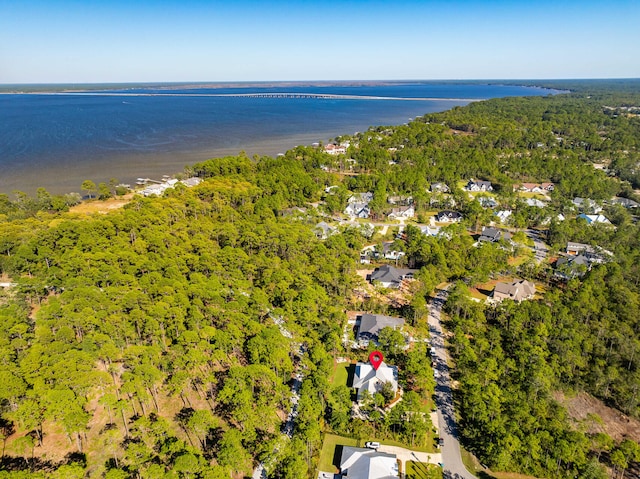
376 358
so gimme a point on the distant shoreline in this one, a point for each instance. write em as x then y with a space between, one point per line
24 88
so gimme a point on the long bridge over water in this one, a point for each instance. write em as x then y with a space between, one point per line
293 95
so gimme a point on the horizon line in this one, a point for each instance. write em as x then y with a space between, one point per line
403 80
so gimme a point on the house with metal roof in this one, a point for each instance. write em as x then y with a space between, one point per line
361 463
368 378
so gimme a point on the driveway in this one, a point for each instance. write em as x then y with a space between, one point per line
451 459
405 455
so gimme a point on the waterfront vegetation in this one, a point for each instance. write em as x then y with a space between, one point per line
160 339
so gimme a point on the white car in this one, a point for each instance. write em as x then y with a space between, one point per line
372 445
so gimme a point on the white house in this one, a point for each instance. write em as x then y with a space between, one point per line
592 219
535 202
361 463
449 216
332 149
357 210
403 212
367 378
430 230
503 215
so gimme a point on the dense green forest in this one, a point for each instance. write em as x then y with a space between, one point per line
160 340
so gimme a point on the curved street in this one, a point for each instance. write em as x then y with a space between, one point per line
451 459
540 249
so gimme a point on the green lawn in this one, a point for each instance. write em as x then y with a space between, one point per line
340 374
331 441
420 470
470 462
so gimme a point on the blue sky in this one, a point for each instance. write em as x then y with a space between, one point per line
78 41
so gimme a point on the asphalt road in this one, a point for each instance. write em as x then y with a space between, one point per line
451 459
539 248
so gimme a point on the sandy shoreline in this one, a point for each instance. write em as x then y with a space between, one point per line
66 176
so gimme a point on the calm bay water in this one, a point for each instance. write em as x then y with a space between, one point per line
57 141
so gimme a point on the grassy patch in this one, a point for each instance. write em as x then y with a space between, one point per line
101 206
420 470
530 194
340 375
331 442
471 462
519 260
480 296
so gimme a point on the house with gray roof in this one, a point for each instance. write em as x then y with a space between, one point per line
439 188
492 235
361 463
626 202
517 291
323 230
478 185
371 324
389 277
569 267
594 254
357 210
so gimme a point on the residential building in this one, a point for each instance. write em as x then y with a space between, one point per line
568 267
592 219
361 197
323 230
503 215
361 463
448 216
357 210
586 204
403 212
626 202
492 235
594 254
534 187
371 324
334 149
430 230
439 188
400 200
478 185
389 277
535 202
519 290
487 202
368 378
389 252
